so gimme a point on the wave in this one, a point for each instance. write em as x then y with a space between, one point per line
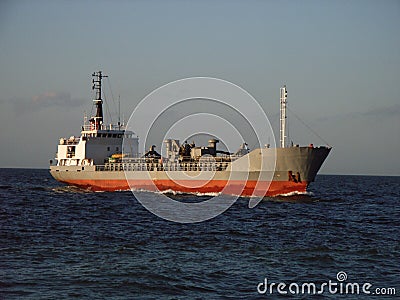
215 194
175 193
198 194
70 189
38 188
5 187
309 194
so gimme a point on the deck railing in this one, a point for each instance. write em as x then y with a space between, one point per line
169 166
88 127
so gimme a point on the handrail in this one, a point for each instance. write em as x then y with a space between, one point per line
168 166
89 127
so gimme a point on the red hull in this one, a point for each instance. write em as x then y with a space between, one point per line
214 186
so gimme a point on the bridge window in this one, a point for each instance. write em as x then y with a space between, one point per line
70 151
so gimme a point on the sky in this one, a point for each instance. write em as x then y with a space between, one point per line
339 59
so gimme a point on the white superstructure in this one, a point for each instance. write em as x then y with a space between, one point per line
97 141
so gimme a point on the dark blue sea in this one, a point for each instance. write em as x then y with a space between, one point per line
59 242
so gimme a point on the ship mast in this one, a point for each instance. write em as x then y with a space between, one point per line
282 130
97 120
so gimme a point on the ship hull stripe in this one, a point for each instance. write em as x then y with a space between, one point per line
236 187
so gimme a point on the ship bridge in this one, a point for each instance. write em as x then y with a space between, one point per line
98 141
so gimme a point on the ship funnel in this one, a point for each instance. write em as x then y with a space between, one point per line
212 146
212 143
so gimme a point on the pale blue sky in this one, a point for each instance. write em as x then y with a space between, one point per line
339 59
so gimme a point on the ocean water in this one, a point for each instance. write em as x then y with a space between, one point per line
59 242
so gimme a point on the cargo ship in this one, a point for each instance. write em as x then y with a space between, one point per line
106 158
